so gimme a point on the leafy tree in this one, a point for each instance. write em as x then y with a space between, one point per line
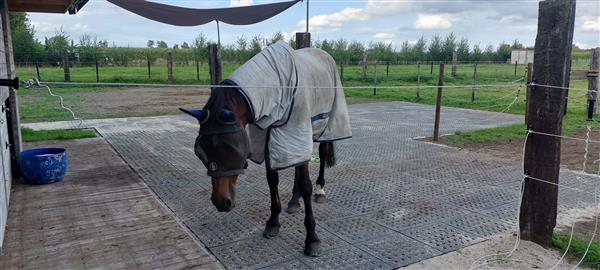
463 49
435 49
448 47
185 45
339 50
517 45
161 44
57 46
419 50
356 50
255 45
176 46
276 37
88 48
241 47
503 52
476 54
150 44
200 46
22 34
489 54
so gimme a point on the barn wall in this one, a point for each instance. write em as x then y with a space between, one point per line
6 71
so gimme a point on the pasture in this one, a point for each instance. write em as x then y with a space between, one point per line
102 101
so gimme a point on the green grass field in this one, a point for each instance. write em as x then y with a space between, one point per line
577 249
30 135
38 106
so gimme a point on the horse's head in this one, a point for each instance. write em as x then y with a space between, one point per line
223 147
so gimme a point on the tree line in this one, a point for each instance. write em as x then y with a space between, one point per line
88 49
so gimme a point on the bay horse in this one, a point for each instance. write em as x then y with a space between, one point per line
269 111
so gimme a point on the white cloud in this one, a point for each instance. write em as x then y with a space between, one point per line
384 36
79 27
591 26
335 20
434 21
584 46
373 8
240 3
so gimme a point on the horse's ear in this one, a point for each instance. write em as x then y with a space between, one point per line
201 115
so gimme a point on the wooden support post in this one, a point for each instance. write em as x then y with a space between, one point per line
454 63
214 61
37 70
556 21
13 119
593 79
197 70
375 88
438 104
516 65
528 89
97 71
418 80
302 40
170 67
474 83
431 70
66 69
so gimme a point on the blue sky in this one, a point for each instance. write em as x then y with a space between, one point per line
482 22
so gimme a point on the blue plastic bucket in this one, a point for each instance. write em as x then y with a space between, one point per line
44 165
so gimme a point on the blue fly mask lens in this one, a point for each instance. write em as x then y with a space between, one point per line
222 144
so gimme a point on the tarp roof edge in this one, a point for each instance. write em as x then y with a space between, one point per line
181 16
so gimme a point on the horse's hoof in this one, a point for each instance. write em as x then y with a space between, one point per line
271 231
293 208
320 198
313 249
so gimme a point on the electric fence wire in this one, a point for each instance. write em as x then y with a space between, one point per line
36 82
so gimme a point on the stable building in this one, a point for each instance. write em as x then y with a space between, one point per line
10 135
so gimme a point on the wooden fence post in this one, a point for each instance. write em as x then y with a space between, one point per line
431 70
438 104
516 65
148 61
170 67
418 80
302 40
454 63
365 65
474 83
97 71
542 152
528 89
197 70
593 79
66 69
37 70
375 88
214 61
387 69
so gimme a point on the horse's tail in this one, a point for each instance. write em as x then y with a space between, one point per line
327 153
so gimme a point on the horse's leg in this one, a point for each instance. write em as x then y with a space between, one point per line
312 242
325 157
272 227
294 203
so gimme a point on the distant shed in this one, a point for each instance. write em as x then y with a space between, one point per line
522 56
